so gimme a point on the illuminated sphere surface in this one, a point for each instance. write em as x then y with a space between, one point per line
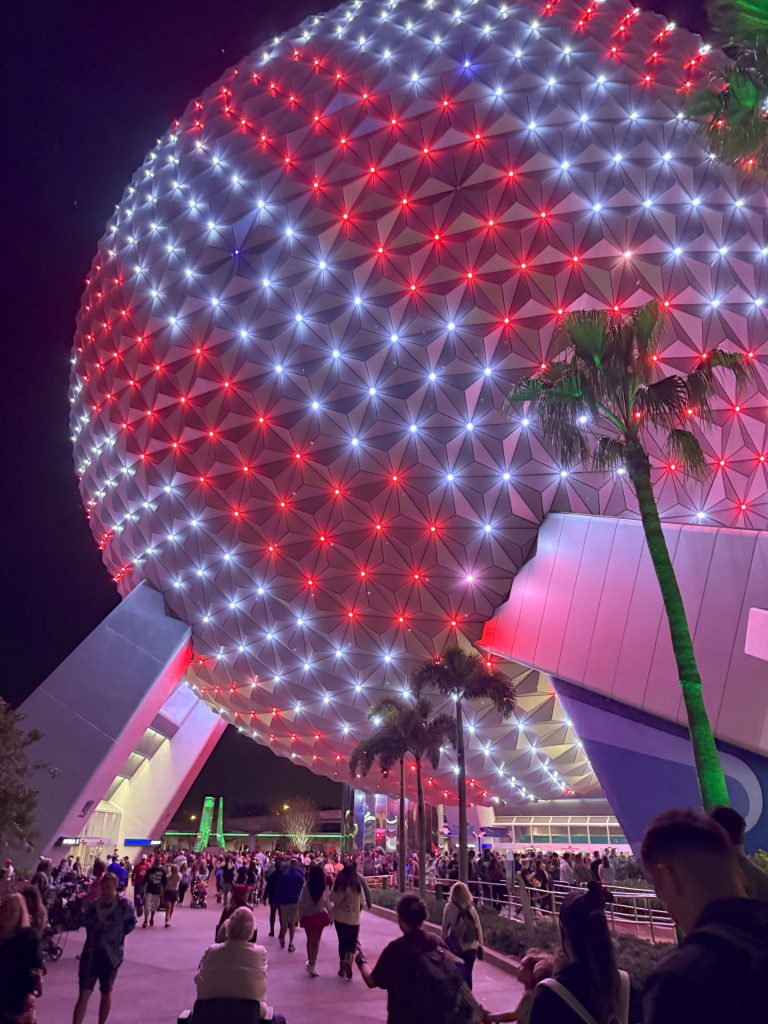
292 354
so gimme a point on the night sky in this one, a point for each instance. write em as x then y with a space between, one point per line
88 88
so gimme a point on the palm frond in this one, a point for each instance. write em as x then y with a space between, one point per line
684 450
526 390
607 454
485 684
587 331
701 383
648 322
664 402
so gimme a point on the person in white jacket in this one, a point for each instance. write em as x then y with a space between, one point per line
236 968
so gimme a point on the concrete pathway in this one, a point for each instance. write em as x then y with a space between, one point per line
155 982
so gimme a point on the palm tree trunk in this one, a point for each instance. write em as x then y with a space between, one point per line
422 830
401 831
462 788
709 770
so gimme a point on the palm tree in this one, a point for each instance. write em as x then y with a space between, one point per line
422 734
596 404
465 676
733 106
386 746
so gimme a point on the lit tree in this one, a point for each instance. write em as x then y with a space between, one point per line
421 733
596 404
733 106
465 676
299 822
385 745
18 799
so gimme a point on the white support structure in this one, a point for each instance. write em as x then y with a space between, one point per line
95 710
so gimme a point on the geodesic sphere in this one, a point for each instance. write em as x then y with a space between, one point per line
297 336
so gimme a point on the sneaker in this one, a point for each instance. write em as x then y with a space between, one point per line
291 948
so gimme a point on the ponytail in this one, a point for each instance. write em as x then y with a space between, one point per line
583 920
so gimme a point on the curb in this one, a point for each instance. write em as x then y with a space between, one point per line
508 964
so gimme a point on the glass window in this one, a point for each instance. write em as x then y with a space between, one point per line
540 834
598 836
523 834
579 835
617 836
560 834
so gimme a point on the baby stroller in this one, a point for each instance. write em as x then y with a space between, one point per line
199 893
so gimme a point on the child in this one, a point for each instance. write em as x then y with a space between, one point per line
534 967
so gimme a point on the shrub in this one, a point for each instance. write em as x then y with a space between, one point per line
636 956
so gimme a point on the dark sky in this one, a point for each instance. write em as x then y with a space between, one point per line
88 86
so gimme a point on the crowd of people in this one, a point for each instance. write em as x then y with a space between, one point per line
696 862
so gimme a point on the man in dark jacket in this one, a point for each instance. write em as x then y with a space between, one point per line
274 871
719 972
288 891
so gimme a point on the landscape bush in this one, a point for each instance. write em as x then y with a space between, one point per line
636 956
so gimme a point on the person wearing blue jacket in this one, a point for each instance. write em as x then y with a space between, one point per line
289 886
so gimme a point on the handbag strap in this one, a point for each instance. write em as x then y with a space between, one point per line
570 999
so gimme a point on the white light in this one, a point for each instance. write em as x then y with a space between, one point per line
487 371
565 165
371 390
695 201
299 318
278 368
315 406
617 158
393 337
563 472
677 251
666 156
451 326
470 426
336 353
289 232
449 477
532 126
354 442
488 528
506 476
525 421
584 118
433 376
322 264
358 300
266 282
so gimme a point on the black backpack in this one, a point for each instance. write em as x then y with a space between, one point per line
440 995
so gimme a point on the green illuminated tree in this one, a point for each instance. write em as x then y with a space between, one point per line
596 404
465 676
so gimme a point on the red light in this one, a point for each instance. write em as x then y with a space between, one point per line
416 576
372 170
345 216
737 408
315 184
470 275
575 259
743 507
491 223
378 526
413 287
477 136
615 309
672 466
722 462
437 238
445 103
394 477
404 201
543 214
425 150
393 121
380 250
762 458
523 266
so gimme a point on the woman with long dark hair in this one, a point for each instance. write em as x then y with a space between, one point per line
347 899
589 986
314 913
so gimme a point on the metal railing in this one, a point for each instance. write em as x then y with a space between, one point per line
632 912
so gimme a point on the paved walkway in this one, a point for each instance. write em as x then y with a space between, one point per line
156 980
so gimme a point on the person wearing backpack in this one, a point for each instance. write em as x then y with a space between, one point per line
423 980
719 972
588 988
462 930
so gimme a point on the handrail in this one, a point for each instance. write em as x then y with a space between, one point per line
632 912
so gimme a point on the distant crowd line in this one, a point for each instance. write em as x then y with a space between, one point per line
696 863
